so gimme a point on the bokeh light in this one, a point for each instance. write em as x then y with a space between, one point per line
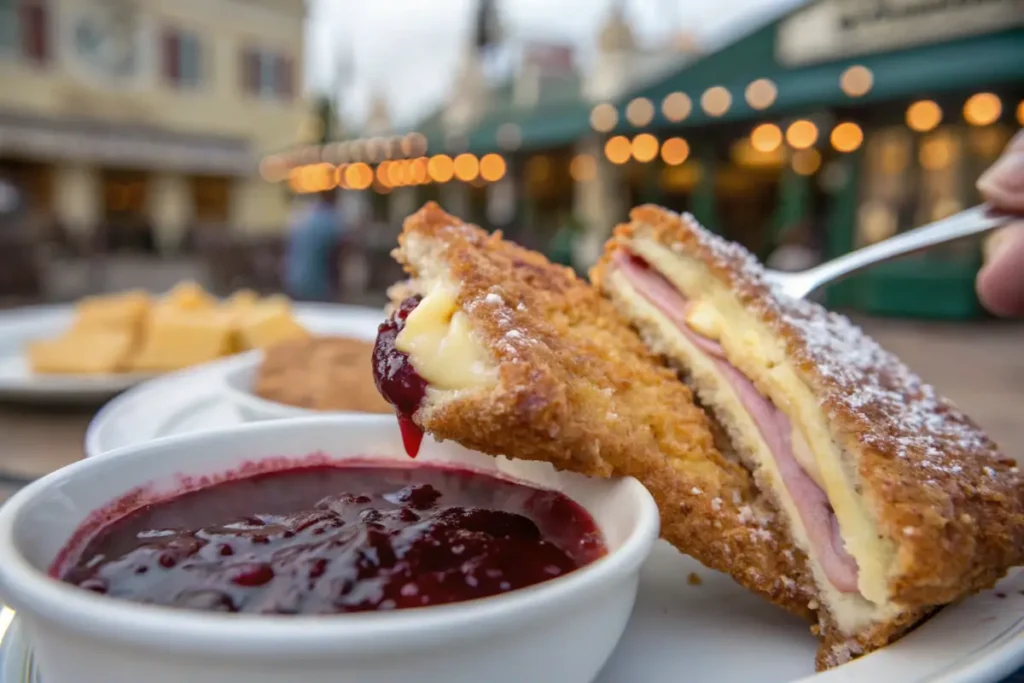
645 147
766 138
923 115
640 112
983 109
801 134
676 106
846 137
603 118
674 151
761 94
441 168
716 101
467 167
618 149
857 81
492 167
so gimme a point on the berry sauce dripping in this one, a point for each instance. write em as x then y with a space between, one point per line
396 378
327 540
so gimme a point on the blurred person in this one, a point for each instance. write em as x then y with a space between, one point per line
1000 282
314 240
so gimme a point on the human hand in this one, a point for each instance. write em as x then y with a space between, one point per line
1000 282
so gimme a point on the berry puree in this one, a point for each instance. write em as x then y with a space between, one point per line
396 378
336 539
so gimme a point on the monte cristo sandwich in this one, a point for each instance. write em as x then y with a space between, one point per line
899 502
508 354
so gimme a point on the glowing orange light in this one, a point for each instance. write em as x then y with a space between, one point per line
674 151
923 116
418 174
645 147
801 134
766 138
618 149
359 176
441 168
492 167
983 109
467 167
846 137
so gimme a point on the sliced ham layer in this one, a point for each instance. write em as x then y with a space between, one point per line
776 430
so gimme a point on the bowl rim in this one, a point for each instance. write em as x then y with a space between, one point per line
355 635
244 398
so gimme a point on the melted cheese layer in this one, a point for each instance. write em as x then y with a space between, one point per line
441 345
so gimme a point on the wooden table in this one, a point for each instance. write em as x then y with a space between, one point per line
37 440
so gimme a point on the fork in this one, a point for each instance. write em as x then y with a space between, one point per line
973 221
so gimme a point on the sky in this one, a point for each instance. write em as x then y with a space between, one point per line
410 49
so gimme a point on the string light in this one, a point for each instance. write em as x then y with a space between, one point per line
674 151
676 107
640 112
618 149
761 94
645 147
418 174
467 167
983 109
923 116
492 167
358 176
847 137
857 81
766 138
603 118
716 101
801 134
441 168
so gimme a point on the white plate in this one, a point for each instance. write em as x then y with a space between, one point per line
719 632
20 326
713 632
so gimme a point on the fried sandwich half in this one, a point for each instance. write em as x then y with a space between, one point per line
508 354
897 500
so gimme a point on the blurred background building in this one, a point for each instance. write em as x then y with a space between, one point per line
128 124
145 127
836 125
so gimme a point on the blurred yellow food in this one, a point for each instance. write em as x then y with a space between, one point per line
188 296
116 311
83 352
179 339
133 332
268 323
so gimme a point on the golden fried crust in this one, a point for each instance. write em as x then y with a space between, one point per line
836 648
577 388
938 486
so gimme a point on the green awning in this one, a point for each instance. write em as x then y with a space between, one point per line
539 128
969 64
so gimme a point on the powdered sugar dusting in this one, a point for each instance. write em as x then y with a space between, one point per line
894 411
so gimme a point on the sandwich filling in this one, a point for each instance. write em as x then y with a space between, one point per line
847 555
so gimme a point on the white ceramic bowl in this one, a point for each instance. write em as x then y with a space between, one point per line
237 383
562 630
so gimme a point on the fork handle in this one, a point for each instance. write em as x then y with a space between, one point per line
973 221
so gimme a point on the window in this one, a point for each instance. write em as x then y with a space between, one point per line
24 30
267 74
182 58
